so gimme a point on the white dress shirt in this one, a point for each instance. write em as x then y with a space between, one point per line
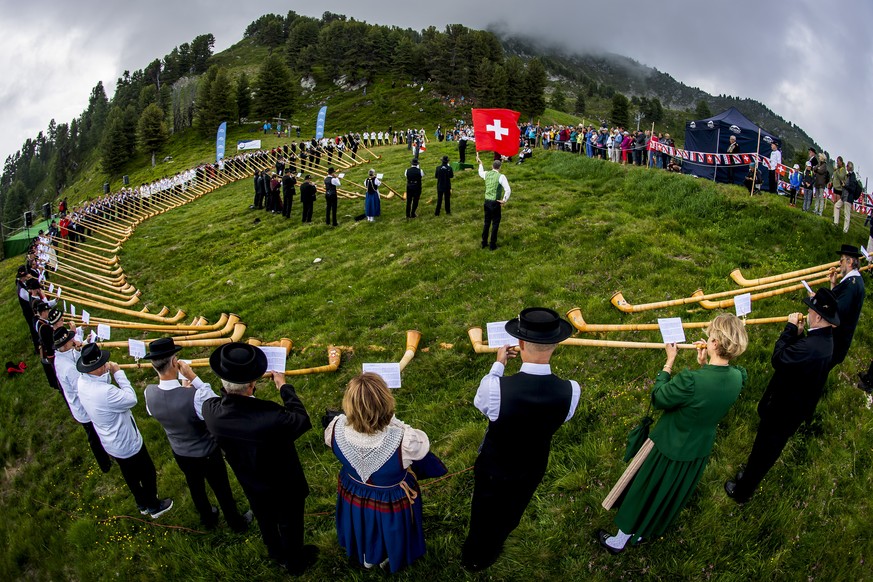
502 180
109 408
68 376
487 398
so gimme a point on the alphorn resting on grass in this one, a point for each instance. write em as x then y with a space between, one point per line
333 362
738 278
239 329
475 334
575 318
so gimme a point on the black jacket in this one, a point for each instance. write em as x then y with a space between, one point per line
257 437
444 175
801 365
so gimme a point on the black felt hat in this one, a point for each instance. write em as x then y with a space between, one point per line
55 316
850 251
61 336
162 348
238 362
539 325
40 306
92 358
824 302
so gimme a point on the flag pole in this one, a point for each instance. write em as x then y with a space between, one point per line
755 173
717 141
650 152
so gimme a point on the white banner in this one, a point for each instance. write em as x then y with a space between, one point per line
252 144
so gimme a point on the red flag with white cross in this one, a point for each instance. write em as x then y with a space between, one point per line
496 130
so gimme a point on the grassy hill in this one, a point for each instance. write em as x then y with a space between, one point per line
574 231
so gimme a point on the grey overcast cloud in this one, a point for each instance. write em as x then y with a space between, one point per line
810 62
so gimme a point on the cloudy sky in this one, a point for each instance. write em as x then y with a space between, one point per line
811 62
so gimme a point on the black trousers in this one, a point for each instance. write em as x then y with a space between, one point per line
287 203
769 443
307 210
496 510
259 199
142 480
448 197
50 374
103 458
200 470
462 152
330 209
280 519
412 203
492 223
773 181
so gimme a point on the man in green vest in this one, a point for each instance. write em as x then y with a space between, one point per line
497 193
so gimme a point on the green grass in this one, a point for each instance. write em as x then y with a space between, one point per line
574 231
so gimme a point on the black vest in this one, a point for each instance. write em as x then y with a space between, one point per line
174 409
532 409
413 180
329 188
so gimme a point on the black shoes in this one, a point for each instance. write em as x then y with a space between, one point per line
164 505
308 556
602 535
730 487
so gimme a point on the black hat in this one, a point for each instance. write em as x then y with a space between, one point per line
162 348
238 362
850 251
824 302
414 161
22 270
40 306
61 336
539 325
445 159
308 177
55 316
92 358
32 284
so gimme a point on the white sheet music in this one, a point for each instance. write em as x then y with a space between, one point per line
390 372
808 288
276 357
51 288
103 331
58 294
743 304
865 253
80 335
137 348
86 317
497 336
379 176
72 310
672 330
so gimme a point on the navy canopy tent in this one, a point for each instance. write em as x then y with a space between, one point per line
712 136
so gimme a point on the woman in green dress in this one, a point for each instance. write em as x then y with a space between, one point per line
693 403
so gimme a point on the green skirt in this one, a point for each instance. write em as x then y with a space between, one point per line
657 494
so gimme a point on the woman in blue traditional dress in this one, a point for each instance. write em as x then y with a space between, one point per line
693 402
378 505
372 205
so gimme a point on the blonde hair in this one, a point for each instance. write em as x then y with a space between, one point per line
368 403
730 333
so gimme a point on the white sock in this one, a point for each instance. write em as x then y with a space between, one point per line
618 541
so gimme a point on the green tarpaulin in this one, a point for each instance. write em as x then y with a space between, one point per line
17 244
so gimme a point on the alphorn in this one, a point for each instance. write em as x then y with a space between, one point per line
575 317
239 330
66 289
176 328
77 296
738 278
89 286
91 263
412 339
698 296
158 317
78 279
370 151
230 327
109 262
758 296
333 358
475 334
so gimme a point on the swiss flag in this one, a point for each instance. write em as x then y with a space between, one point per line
496 130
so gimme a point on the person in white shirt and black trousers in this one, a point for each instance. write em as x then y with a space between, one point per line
109 407
524 412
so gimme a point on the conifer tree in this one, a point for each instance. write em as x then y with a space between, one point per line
535 87
114 150
620 110
151 130
559 100
702 110
274 88
243 97
580 103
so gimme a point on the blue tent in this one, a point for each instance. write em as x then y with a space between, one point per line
712 136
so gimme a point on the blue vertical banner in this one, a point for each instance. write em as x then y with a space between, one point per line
219 142
319 123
